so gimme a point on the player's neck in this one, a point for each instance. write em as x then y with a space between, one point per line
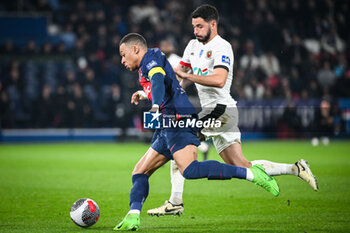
142 55
213 34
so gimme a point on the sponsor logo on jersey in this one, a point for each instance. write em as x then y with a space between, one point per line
147 90
199 71
225 59
209 53
151 64
201 53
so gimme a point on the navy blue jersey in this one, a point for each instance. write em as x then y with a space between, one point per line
175 101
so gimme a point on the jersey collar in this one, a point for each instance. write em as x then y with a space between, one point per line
214 38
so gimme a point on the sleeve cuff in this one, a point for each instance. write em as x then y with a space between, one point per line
185 64
221 66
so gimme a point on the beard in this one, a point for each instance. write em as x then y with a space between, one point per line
205 38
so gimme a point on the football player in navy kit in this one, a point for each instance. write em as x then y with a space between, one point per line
161 86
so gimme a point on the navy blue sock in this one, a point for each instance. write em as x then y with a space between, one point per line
139 191
213 170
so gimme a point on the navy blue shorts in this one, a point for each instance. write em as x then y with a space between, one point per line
168 141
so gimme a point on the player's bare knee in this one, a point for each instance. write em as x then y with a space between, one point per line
138 170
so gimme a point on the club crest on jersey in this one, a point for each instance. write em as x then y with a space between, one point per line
151 64
209 53
226 59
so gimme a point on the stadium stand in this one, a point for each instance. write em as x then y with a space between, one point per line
64 71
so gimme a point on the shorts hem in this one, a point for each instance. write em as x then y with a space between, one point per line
181 147
221 149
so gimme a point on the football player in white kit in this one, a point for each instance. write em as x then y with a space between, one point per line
168 48
210 58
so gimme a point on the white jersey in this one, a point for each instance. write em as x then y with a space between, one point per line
203 59
174 60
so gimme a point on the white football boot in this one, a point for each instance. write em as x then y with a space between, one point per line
167 209
305 173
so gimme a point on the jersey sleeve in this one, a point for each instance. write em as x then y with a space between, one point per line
185 61
223 57
152 66
154 71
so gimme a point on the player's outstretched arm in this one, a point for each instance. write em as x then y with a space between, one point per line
138 95
217 79
183 69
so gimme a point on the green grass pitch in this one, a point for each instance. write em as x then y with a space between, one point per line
40 182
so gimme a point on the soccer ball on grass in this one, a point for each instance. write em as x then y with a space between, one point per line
84 212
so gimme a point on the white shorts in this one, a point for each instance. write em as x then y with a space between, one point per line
228 133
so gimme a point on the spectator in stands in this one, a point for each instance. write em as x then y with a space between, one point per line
270 33
142 11
15 80
119 25
70 80
296 53
326 77
284 91
269 64
6 113
342 85
78 109
115 107
90 88
254 90
31 48
8 48
314 89
61 48
42 5
237 50
237 87
45 109
61 99
332 43
47 48
296 83
323 125
289 125
249 61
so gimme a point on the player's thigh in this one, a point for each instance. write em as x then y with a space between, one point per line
150 162
185 157
233 155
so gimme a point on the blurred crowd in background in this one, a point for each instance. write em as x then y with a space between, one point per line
284 49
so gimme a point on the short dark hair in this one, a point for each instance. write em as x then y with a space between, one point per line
207 12
135 38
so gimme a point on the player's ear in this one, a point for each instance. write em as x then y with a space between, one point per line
136 49
213 23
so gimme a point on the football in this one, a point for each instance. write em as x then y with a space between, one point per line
85 212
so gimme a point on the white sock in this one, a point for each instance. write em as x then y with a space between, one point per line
177 184
250 175
276 169
134 211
